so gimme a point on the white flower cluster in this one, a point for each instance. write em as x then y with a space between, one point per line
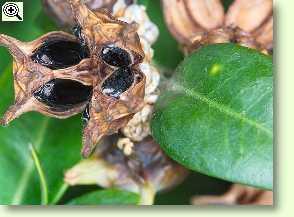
139 126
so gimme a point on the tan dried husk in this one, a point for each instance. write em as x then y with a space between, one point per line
60 10
194 23
145 171
237 195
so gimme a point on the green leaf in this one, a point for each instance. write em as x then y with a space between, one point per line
107 197
58 149
216 115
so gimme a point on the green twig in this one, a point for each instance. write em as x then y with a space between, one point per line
44 189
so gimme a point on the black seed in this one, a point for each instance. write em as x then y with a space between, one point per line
115 56
59 54
63 93
118 82
86 115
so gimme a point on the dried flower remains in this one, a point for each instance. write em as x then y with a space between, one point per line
196 23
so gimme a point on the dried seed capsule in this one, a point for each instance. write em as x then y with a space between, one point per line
33 77
115 56
118 82
59 54
86 115
31 73
63 94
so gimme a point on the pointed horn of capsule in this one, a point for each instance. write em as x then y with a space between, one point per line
86 18
15 47
17 110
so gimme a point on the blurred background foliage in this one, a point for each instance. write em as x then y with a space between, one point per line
65 144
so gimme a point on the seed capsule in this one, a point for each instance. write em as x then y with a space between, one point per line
59 54
115 56
96 80
62 94
118 82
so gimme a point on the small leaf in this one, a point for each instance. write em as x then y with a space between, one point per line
107 197
216 117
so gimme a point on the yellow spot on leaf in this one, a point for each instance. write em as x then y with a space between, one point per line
215 69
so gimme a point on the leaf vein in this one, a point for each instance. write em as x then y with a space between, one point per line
221 108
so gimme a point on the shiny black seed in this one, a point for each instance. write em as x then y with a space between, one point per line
63 93
118 82
115 56
86 115
59 54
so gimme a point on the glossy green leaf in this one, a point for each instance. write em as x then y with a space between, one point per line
57 149
216 115
107 197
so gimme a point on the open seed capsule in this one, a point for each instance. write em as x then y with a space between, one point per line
49 76
59 74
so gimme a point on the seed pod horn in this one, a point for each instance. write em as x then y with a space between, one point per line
16 47
93 24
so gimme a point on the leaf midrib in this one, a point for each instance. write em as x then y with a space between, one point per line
221 108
